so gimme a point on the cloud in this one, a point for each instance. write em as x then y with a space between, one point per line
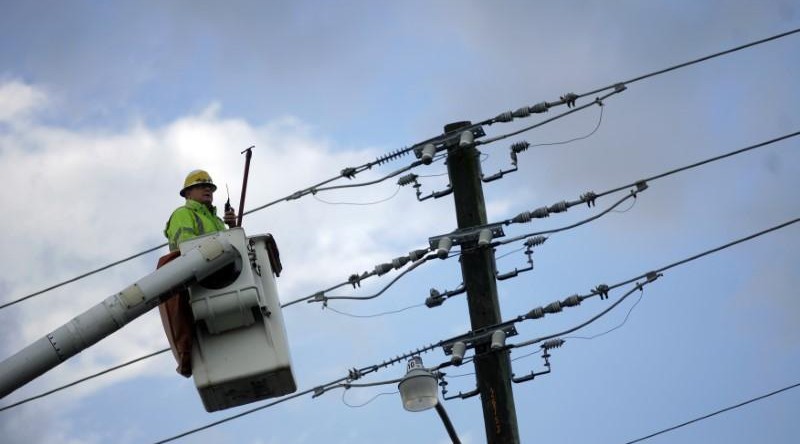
90 197
19 100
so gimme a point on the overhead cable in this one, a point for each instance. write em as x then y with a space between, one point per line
701 418
379 270
483 332
692 62
73 383
350 172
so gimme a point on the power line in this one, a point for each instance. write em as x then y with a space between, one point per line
108 370
692 62
376 315
397 190
703 162
590 197
77 278
701 418
598 101
350 172
486 331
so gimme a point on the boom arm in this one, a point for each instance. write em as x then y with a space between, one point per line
113 313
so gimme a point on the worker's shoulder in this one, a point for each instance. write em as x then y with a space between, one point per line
182 211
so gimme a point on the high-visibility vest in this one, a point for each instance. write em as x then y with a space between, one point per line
191 220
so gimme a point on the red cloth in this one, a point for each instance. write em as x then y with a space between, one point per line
178 321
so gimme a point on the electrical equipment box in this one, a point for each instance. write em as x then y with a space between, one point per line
240 352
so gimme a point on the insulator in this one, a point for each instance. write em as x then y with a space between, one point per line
520 146
484 237
391 156
571 301
466 139
552 343
540 213
534 241
498 340
407 179
505 117
416 254
553 307
558 207
399 261
522 112
382 269
428 151
444 246
522 218
458 352
536 313
541 107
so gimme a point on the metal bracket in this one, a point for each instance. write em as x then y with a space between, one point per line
467 235
478 337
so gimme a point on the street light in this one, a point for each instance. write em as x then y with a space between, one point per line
418 390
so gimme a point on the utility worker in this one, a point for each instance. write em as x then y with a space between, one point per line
198 216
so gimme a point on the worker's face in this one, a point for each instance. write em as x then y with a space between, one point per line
201 193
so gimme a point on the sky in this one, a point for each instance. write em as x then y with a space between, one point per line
105 106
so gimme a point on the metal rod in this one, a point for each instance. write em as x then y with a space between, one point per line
249 154
447 424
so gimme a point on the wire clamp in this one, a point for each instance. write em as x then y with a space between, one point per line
602 290
569 99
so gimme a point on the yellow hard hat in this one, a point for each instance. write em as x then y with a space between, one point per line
197 177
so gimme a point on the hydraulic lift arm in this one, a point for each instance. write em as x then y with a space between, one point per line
113 313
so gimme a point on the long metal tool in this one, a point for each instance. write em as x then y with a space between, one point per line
249 154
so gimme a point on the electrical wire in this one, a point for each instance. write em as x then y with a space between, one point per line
589 198
71 384
368 401
692 62
650 276
703 162
350 172
726 409
386 287
376 315
77 278
632 195
582 324
360 203
598 101
356 373
630 310
564 142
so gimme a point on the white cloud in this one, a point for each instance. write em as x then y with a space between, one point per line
91 197
19 100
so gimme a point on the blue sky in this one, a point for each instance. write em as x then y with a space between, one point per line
104 107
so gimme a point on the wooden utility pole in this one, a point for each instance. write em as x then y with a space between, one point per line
492 370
